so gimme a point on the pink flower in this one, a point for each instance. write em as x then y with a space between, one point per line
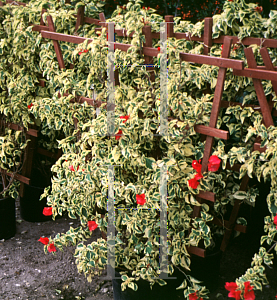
125 117
140 199
214 163
47 211
71 168
52 248
193 183
197 166
92 225
117 136
44 241
248 292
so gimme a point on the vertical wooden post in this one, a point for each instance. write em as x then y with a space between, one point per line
102 17
214 114
41 19
80 17
56 43
170 26
146 30
208 32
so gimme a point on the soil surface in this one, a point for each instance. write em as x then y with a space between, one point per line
26 272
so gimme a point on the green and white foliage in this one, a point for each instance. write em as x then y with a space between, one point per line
139 153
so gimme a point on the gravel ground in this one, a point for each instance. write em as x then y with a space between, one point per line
26 272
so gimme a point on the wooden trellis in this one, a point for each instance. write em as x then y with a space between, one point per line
268 72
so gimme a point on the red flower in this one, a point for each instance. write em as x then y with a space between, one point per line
119 13
193 183
248 292
47 211
92 225
230 0
197 166
221 47
214 163
148 7
117 136
198 176
29 106
259 9
275 221
44 241
159 48
52 248
143 7
231 287
125 117
193 296
140 199
72 168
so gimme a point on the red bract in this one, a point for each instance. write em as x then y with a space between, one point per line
275 221
29 106
196 165
71 168
231 287
117 136
92 225
52 248
198 176
44 241
159 48
140 199
148 7
143 7
47 211
248 292
193 183
259 9
222 47
193 296
214 163
125 117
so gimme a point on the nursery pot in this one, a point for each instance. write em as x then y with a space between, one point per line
7 218
206 269
30 206
144 292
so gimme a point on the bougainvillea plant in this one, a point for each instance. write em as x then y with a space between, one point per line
80 177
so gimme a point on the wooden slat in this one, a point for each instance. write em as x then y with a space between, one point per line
233 216
48 153
270 43
266 112
146 31
64 37
197 251
170 26
17 177
238 227
39 28
207 196
56 43
257 147
213 61
31 132
80 17
208 32
206 130
214 115
257 73
235 167
15 2
41 18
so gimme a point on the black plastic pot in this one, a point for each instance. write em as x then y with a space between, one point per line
144 292
7 218
204 269
207 269
30 207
